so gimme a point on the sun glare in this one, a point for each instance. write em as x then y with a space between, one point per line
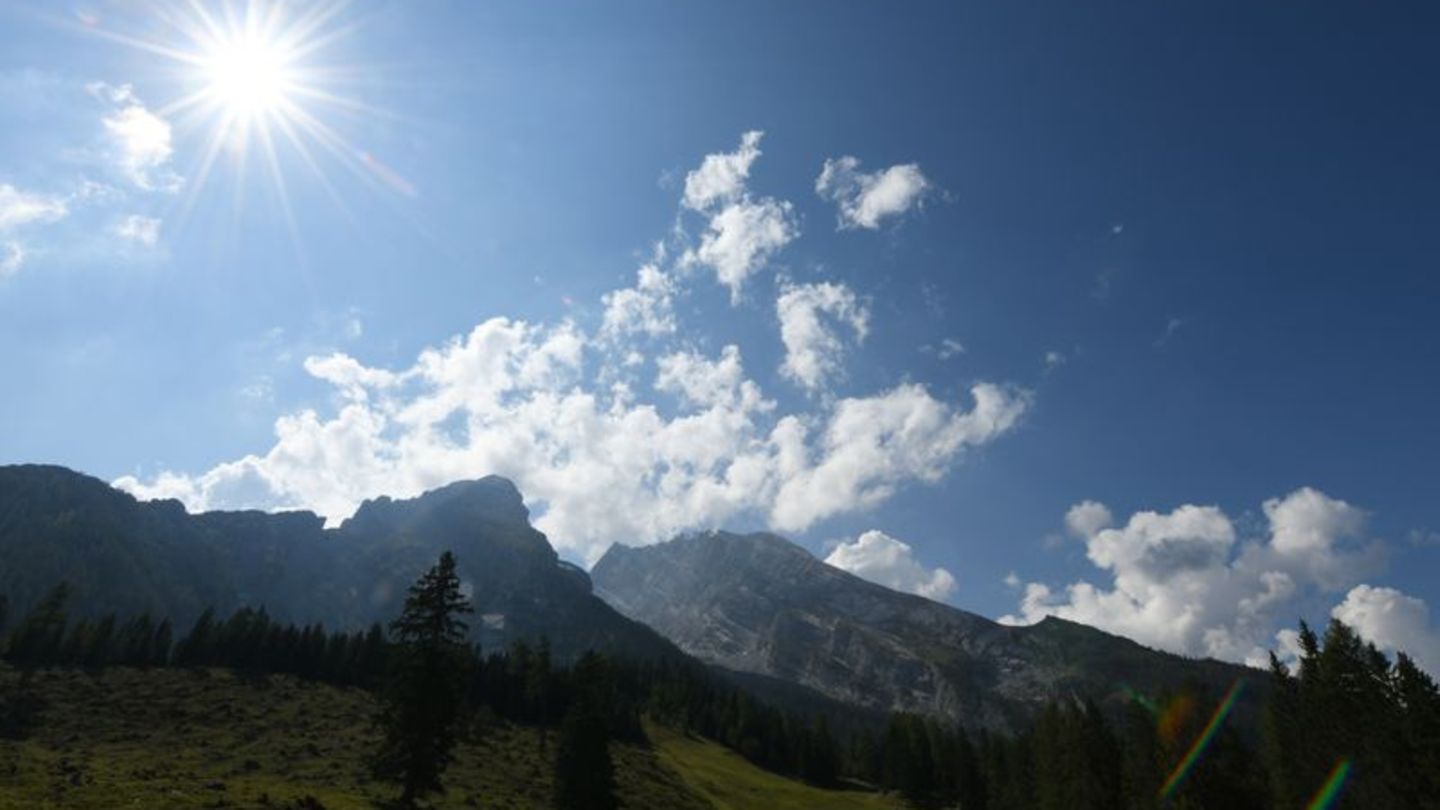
248 76
258 87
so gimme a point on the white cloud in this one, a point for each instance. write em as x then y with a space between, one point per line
19 208
883 559
138 229
1393 621
11 258
705 383
601 453
1054 359
742 237
870 445
864 199
1184 581
808 314
742 232
721 177
950 347
140 140
647 308
508 398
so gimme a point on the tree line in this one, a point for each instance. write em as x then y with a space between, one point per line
1344 719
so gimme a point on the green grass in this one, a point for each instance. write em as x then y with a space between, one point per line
178 739
729 782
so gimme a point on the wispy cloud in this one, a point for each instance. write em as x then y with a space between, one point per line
1172 325
140 140
141 230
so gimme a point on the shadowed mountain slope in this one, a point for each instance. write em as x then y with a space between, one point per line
129 556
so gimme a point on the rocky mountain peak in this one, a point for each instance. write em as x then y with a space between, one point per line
758 604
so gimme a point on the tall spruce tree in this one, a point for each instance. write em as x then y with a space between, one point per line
422 702
38 639
584 772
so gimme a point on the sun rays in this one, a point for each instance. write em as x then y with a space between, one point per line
258 88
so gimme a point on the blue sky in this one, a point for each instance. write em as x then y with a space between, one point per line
1187 253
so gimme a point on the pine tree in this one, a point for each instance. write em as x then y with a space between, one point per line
422 702
584 773
37 640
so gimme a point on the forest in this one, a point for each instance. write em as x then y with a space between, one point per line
1344 726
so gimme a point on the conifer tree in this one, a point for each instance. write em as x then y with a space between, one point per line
584 773
422 702
38 639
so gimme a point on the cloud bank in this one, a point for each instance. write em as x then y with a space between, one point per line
612 443
1187 581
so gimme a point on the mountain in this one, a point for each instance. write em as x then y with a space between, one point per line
759 604
129 556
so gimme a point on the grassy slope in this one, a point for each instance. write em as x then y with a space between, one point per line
173 739
731 783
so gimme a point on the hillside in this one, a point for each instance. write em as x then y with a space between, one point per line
131 557
760 604
729 782
169 738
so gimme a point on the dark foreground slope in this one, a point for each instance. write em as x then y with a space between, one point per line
134 557
760 604
171 738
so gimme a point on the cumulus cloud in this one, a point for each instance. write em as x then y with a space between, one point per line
742 232
885 560
602 453
706 383
721 177
809 316
1393 621
647 308
864 199
139 229
870 445
598 466
1185 581
140 140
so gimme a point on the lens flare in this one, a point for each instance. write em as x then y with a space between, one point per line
1202 742
255 77
1330 791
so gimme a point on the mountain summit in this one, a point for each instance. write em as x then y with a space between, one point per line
133 557
757 603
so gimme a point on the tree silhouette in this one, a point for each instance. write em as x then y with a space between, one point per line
422 702
584 773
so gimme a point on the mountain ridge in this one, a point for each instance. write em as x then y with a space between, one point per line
759 604
128 556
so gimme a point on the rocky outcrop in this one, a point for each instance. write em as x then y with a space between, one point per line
757 603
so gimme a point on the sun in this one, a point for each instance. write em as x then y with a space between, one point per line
257 83
249 76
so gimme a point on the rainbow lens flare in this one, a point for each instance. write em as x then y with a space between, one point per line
1330 791
1202 742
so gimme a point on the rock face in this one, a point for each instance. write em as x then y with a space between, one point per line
128 556
759 604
